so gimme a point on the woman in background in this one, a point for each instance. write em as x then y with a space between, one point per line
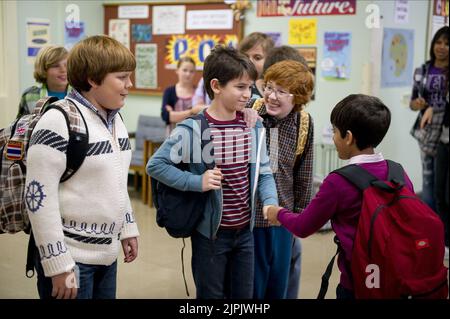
430 97
256 46
177 99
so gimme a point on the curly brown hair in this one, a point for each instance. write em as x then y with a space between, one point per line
295 77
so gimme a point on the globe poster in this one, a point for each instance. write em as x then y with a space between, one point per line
398 57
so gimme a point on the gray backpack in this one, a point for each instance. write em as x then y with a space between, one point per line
14 143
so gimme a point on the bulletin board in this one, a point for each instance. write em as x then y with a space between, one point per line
160 33
437 18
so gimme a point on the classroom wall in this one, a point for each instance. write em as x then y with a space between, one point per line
398 145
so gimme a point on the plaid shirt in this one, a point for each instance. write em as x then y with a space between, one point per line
294 181
107 117
433 88
30 98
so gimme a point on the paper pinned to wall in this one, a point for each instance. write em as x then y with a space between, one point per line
141 32
38 36
169 19
302 31
146 65
119 29
398 57
276 37
209 20
133 12
401 14
73 33
336 60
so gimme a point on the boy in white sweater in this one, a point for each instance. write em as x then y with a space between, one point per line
80 224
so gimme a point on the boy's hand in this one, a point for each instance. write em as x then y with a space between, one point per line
64 286
250 117
271 214
130 249
212 179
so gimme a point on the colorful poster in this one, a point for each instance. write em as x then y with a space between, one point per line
146 66
168 19
336 55
38 36
197 47
141 32
440 8
119 29
276 37
282 8
397 57
302 31
73 32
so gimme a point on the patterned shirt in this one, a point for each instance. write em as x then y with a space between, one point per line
31 96
107 117
232 149
293 177
430 83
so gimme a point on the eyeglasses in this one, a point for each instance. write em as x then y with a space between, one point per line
280 94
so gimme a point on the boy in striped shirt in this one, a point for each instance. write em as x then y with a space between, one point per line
222 245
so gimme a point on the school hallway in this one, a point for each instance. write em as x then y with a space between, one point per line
156 273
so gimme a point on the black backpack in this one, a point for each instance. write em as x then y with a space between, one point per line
179 212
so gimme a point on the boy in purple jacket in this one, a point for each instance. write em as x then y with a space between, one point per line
360 123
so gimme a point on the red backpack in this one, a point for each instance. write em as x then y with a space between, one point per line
398 251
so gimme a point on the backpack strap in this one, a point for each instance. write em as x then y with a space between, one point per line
362 179
396 174
31 255
356 175
78 144
327 274
42 104
256 103
303 131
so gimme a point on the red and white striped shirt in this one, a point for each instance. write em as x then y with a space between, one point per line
232 149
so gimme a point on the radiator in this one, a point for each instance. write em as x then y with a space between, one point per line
326 160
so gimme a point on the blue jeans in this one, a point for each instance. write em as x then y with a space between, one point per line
94 281
223 268
273 247
428 168
295 269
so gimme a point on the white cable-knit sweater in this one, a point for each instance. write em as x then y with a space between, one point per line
83 219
